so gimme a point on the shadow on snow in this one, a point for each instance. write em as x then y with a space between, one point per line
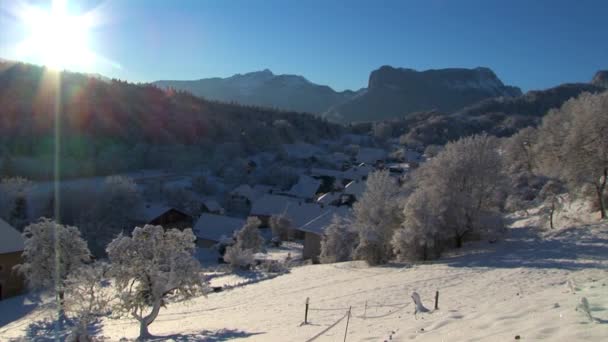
523 247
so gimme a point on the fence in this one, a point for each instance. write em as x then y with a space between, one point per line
394 308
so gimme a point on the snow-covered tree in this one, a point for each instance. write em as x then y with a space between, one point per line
376 216
280 225
464 180
573 146
151 266
586 147
87 297
113 212
13 203
418 237
249 236
52 251
338 241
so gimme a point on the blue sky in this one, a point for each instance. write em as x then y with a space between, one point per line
530 44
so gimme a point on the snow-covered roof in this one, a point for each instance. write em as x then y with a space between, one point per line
244 190
301 150
355 188
261 190
319 223
306 187
371 155
326 172
271 205
329 198
10 239
150 211
359 171
212 204
215 227
301 214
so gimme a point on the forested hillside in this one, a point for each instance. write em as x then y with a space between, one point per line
108 127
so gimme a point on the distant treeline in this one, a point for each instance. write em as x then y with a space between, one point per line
114 126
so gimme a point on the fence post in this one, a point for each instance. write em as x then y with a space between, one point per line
436 300
306 312
347 320
365 310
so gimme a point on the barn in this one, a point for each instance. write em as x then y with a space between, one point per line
167 217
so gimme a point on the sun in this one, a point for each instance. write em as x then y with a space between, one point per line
56 38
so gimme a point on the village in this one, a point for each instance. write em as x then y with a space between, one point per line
328 184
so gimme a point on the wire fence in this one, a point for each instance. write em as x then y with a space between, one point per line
393 309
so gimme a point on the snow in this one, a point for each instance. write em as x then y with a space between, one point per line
371 155
319 223
271 204
301 150
355 188
306 187
529 285
214 227
151 211
10 239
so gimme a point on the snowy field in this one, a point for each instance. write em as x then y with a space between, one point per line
524 286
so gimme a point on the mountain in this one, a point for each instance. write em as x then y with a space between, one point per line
600 79
264 88
499 116
393 92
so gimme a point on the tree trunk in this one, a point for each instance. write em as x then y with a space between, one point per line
600 193
551 213
144 322
458 240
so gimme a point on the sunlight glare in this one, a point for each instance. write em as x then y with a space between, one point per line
58 39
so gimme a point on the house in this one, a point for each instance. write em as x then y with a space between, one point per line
358 172
211 229
161 215
11 247
370 155
355 188
306 188
330 198
269 205
211 206
314 229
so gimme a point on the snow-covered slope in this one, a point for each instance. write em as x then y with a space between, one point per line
525 286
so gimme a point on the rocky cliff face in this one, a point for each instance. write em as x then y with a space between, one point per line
394 92
600 79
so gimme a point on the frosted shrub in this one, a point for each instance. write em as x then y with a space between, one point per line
239 258
338 241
